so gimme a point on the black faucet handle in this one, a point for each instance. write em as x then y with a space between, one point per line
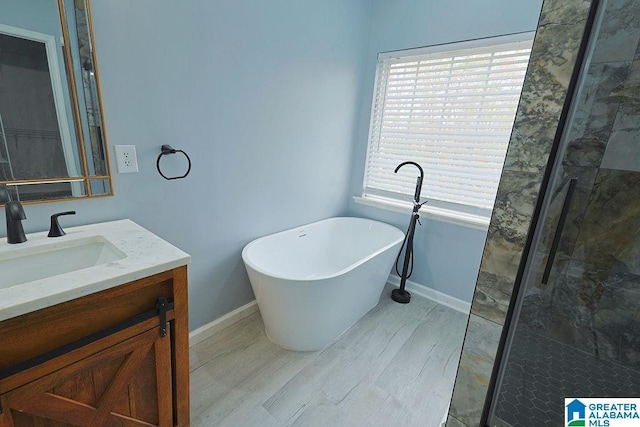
14 213
55 230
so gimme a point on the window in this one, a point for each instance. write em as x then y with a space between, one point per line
450 108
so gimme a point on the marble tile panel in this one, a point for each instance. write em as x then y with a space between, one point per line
623 148
585 149
617 323
510 220
545 87
505 241
597 314
628 92
594 114
619 32
535 310
572 317
492 296
595 305
630 345
474 371
454 422
611 226
528 148
563 12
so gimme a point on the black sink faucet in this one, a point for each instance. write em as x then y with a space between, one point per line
14 213
55 230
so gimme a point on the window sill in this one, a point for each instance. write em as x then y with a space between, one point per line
438 214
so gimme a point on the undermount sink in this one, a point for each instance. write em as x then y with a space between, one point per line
27 264
91 258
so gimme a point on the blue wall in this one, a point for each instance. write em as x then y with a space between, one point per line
447 256
262 95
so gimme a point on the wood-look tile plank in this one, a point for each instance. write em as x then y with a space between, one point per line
257 416
362 404
427 361
243 377
320 412
235 338
396 366
250 394
361 353
205 391
393 412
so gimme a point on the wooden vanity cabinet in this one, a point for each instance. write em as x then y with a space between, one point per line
118 357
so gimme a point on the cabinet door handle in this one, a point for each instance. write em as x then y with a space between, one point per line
561 222
162 305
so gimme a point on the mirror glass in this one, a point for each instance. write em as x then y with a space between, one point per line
52 138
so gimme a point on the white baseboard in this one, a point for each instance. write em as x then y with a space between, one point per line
432 294
211 328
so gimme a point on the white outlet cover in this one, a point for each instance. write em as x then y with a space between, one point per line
126 159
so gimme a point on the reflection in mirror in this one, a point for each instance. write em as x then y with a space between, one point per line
52 138
82 56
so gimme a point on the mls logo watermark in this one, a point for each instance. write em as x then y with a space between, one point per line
601 412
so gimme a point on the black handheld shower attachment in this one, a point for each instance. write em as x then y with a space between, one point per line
401 295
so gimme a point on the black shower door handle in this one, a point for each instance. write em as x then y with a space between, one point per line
561 222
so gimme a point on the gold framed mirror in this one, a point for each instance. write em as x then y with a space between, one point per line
53 143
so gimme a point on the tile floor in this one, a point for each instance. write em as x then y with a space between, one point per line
395 367
541 372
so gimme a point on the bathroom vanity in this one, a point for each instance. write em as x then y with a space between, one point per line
93 345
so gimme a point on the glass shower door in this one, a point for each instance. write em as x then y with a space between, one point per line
576 326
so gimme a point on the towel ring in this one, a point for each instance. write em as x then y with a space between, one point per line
167 149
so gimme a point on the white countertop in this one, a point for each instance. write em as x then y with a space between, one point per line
146 254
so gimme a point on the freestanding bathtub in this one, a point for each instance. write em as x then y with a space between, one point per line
314 282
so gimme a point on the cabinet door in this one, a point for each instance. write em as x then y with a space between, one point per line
127 384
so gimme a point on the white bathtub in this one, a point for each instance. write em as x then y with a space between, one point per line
314 282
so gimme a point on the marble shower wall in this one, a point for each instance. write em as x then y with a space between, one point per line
553 58
595 306
595 282
599 269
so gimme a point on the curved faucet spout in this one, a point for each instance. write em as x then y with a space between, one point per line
416 195
410 163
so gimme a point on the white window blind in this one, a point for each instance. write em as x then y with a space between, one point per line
450 109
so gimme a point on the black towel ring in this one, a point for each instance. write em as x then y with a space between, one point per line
167 149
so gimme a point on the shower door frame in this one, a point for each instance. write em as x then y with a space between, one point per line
537 213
